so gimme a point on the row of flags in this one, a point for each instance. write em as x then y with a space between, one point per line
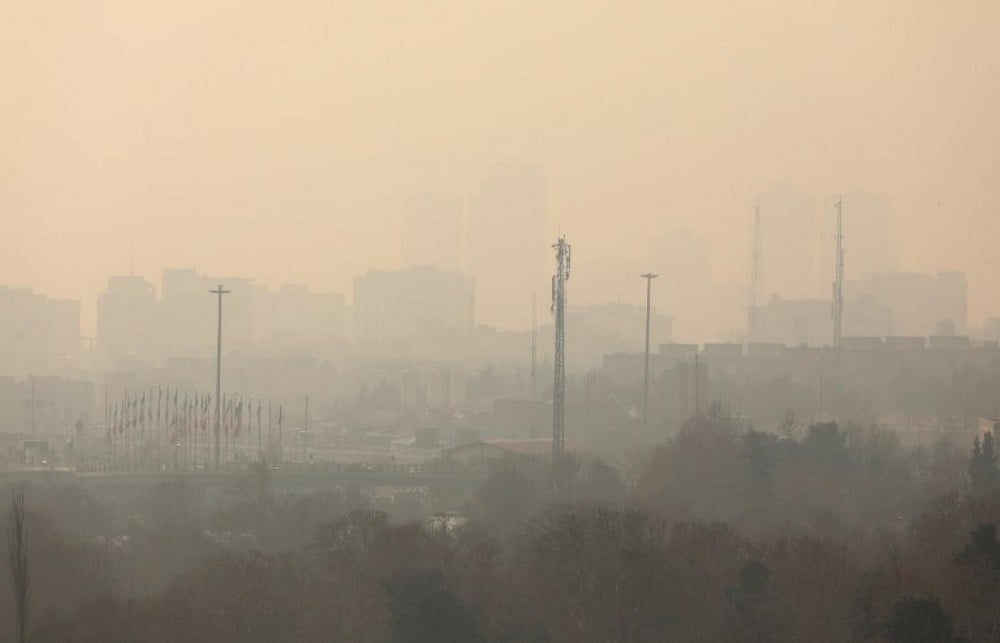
184 414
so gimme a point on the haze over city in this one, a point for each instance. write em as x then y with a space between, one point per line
278 143
495 322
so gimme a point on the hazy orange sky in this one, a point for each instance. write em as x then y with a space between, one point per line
275 140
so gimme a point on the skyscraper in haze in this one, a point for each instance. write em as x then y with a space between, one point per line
128 323
788 245
508 249
432 231
38 335
188 313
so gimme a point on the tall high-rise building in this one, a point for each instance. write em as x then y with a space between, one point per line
788 244
128 322
240 309
38 335
188 313
432 231
509 254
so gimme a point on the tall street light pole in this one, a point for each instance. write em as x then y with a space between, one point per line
649 277
218 377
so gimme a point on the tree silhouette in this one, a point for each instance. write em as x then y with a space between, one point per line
920 620
424 611
17 550
983 464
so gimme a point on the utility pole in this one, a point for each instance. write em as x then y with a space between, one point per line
33 407
649 277
755 277
534 362
305 433
838 283
218 377
697 384
559 385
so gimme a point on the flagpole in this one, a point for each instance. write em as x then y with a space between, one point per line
107 434
128 431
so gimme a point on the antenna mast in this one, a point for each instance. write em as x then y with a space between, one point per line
755 276
649 277
838 284
559 385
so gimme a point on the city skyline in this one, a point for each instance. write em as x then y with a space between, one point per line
675 251
161 146
500 320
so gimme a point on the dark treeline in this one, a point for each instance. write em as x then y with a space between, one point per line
815 533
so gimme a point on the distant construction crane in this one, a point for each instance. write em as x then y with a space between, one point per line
559 385
755 277
838 282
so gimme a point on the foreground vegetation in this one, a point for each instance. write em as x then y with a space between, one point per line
819 533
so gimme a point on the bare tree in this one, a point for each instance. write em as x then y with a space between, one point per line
17 550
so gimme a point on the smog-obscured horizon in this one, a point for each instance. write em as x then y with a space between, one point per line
282 144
